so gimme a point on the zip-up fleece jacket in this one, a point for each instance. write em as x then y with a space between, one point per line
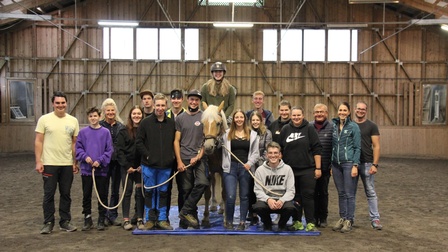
346 143
278 180
155 142
300 145
252 158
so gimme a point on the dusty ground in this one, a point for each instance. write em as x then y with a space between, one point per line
413 207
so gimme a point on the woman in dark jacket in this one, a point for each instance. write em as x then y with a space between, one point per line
344 161
129 160
302 151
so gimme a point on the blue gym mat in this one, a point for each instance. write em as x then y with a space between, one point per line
217 228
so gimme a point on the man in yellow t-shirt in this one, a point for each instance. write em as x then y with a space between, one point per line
54 149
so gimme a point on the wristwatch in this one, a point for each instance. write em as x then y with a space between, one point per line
376 165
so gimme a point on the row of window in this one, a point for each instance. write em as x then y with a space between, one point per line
283 45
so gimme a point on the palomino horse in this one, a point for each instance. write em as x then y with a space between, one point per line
215 125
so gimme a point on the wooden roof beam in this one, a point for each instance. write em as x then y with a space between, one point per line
438 11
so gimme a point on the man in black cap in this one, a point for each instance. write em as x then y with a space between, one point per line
176 98
147 97
189 151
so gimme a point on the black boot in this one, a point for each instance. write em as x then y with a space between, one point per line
88 223
101 226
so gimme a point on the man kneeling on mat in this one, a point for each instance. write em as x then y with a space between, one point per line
277 191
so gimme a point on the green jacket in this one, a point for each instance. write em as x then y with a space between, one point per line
229 99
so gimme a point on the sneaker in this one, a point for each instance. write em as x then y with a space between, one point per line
296 226
88 224
347 227
377 225
140 225
228 225
310 227
127 225
190 218
254 220
241 226
267 227
149 225
101 225
134 219
277 219
67 226
164 225
339 224
323 223
47 228
114 222
183 224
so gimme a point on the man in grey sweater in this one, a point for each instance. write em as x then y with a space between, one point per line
277 191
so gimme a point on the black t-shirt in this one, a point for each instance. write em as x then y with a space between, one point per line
368 129
240 147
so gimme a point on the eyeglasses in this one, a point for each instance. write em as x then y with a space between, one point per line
362 109
319 112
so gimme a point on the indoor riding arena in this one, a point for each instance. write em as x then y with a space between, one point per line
390 54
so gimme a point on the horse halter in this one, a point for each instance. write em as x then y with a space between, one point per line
215 138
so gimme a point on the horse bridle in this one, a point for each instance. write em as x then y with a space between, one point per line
215 138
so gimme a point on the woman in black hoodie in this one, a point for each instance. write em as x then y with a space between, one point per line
302 151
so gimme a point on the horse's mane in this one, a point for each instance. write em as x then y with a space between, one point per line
212 114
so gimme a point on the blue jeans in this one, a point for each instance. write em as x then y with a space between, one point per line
156 200
346 186
236 175
368 180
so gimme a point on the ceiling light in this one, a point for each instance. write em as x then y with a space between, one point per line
371 1
26 16
347 25
444 27
232 1
232 25
117 23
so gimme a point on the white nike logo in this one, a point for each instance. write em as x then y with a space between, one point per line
294 136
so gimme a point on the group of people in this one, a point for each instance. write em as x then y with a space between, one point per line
292 160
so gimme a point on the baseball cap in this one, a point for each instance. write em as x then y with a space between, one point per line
146 92
176 93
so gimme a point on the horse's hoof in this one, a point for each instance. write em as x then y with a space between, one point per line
213 208
205 223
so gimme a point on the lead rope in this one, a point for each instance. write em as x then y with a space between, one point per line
161 184
251 174
98 196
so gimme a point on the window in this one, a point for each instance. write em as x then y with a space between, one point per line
270 45
191 44
342 45
310 45
170 44
291 45
150 44
314 45
21 103
147 43
434 104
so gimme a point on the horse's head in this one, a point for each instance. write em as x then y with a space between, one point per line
214 123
